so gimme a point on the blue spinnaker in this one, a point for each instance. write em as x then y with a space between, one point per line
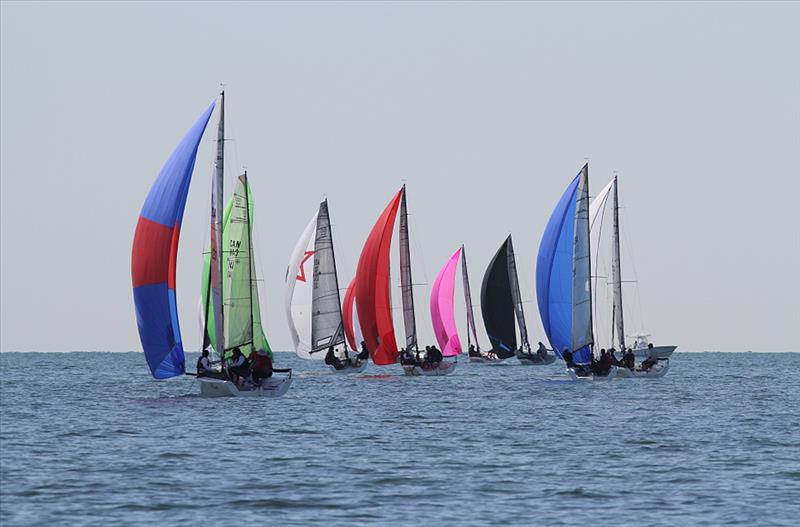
554 275
154 255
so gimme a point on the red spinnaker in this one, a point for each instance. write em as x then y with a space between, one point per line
373 298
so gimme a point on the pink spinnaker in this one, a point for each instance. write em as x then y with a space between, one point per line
442 313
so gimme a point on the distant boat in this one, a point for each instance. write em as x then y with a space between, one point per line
313 307
563 278
154 264
501 305
373 295
641 346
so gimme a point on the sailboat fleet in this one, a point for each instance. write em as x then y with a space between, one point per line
347 331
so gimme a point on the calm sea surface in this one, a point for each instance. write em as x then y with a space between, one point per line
90 439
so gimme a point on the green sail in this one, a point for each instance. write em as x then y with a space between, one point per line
241 313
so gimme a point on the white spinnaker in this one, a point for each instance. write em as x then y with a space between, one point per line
357 327
298 290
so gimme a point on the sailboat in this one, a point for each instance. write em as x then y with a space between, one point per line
501 304
372 295
154 265
641 349
563 279
313 307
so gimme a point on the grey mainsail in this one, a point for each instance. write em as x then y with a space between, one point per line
471 330
516 295
582 270
326 307
406 285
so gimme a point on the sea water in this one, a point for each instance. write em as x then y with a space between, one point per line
91 439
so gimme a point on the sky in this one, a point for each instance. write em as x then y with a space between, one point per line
485 110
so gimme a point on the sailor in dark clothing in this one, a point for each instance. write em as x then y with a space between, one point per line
260 366
364 354
605 364
473 352
434 357
542 351
204 368
567 355
332 360
629 359
238 367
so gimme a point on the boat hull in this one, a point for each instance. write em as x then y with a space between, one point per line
272 387
444 368
351 369
534 359
659 352
656 372
612 373
485 360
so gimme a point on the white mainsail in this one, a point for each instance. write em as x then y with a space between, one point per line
298 291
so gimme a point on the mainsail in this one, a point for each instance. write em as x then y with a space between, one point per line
516 296
498 305
373 296
326 308
406 284
563 269
442 311
241 312
154 257
468 301
298 291
596 211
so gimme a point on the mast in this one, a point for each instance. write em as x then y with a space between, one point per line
516 295
616 274
215 263
468 302
406 286
250 255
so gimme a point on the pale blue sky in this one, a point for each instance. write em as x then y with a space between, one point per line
486 110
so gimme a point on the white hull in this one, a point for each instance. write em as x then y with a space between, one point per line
593 378
659 352
272 387
657 371
444 368
351 369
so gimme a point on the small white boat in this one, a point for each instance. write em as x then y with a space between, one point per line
657 371
350 368
612 373
272 387
444 368
642 349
